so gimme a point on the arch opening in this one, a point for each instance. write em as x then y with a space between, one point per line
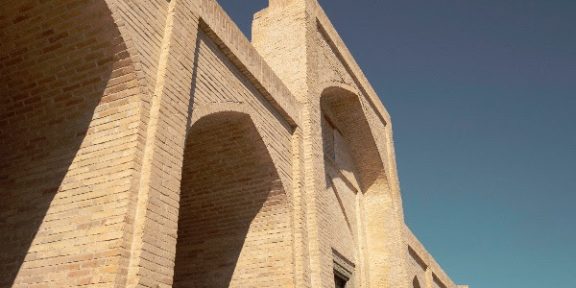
234 222
343 114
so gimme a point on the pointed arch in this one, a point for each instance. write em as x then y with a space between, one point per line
344 111
234 214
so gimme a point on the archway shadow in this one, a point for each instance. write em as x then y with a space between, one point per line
55 63
345 110
232 206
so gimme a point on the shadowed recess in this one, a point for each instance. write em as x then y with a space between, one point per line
233 218
344 109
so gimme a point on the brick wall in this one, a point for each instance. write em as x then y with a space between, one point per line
252 151
234 227
324 66
356 176
219 86
68 130
416 268
136 137
344 194
420 260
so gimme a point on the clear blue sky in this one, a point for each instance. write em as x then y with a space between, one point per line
483 100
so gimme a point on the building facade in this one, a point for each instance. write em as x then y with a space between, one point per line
150 144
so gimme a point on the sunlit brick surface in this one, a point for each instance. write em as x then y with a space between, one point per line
68 136
150 144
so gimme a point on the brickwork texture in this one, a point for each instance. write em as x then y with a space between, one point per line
150 144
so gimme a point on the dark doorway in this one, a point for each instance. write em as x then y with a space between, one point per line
339 280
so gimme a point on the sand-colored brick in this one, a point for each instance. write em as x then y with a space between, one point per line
150 144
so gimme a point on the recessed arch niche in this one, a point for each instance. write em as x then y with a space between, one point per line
352 158
234 223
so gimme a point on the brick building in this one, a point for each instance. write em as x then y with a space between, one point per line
150 144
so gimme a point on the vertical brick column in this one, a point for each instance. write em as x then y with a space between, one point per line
288 32
155 210
279 33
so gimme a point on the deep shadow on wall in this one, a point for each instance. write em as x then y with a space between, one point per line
234 217
55 63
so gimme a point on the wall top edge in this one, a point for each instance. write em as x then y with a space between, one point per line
215 18
413 243
330 31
